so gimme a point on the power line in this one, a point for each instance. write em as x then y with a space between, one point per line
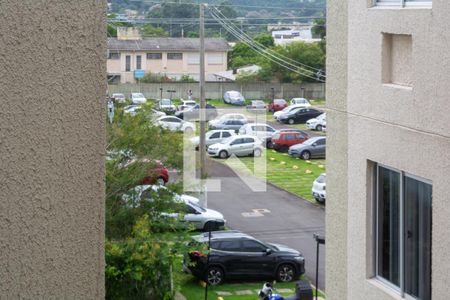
267 55
240 5
242 35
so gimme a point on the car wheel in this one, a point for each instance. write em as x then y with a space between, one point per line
305 155
160 181
257 152
284 148
291 121
285 273
223 154
269 145
215 275
319 127
320 200
211 226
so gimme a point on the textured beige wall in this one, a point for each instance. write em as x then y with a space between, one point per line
336 95
52 79
402 127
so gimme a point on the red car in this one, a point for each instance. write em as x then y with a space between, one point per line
277 104
155 174
284 139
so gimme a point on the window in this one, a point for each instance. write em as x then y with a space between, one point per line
138 62
248 140
403 232
154 55
175 56
252 246
114 55
172 120
215 135
193 59
229 246
127 63
226 134
214 58
403 2
321 142
237 142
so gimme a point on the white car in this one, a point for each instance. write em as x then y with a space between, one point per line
119 98
287 109
239 145
166 105
186 104
261 130
131 110
317 123
230 116
140 192
138 98
319 191
200 217
173 123
300 101
213 137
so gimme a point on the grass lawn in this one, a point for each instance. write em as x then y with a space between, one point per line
291 174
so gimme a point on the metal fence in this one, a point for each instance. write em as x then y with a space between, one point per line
215 90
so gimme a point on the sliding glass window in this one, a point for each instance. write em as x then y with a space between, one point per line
403 232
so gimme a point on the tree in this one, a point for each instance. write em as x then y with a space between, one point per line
319 28
140 243
149 31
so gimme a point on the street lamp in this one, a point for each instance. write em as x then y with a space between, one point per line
170 91
319 240
160 92
273 93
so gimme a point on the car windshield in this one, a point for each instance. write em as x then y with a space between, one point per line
138 95
294 110
165 102
198 208
310 141
279 101
321 117
321 178
234 94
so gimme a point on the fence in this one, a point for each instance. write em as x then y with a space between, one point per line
215 90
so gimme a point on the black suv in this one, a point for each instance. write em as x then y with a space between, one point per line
236 254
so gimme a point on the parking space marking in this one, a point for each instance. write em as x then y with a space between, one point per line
252 214
261 210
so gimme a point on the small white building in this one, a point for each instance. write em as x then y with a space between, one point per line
282 37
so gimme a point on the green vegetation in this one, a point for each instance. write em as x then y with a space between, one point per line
291 174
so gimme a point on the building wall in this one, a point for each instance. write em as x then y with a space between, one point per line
171 68
52 78
397 114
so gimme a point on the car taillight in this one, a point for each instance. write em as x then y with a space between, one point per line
198 254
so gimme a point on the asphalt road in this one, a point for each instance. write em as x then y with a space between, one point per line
280 217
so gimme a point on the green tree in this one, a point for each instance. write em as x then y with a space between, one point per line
319 29
149 31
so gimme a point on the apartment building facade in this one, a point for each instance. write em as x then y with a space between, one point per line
129 54
388 156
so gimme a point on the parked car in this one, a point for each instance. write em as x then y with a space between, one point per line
156 173
213 137
201 218
318 122
312 148
166 106
192 113
277 104
233 98
228 124
257 105
238 255
118 98
138 98
157 114
186 104
282 140
319 188
261 130
300 101
230 116
285 110
132 109
175 124
239 145
300 115
269 139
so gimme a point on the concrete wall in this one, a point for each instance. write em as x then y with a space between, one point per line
215 90
52 79
401 122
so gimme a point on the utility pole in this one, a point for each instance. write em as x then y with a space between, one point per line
202 145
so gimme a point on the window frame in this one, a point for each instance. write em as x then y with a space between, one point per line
138 62
175 56
403 3
127 63
401 288
149 55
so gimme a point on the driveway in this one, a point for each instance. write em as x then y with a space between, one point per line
274 216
